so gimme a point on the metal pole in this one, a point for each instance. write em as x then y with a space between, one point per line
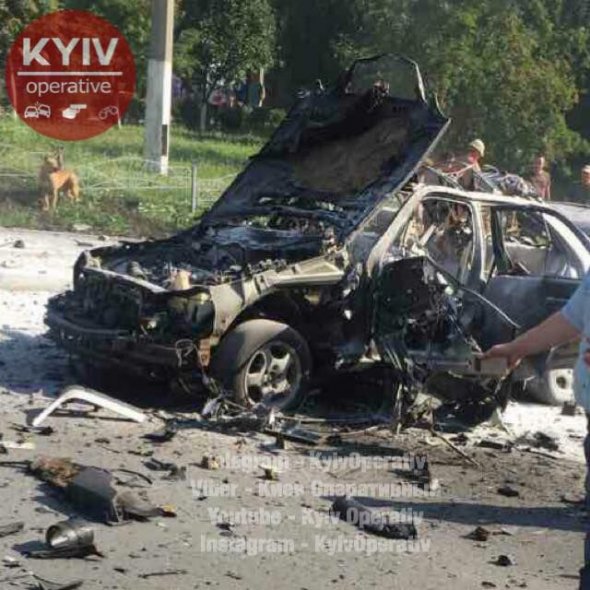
159 87
193 187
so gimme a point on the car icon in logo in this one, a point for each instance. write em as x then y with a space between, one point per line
34 111
111 110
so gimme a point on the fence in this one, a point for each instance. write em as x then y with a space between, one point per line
127 176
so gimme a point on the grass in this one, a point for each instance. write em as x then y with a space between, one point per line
119 196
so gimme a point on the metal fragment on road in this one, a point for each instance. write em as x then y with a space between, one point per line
11 529
76 392
43 584
353 512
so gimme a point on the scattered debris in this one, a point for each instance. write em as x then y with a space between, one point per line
78 393
56 471
11 529
296 434
16 445
209 462
545 441
166 434
133 480
164 573
508 491
353 512
72 538
479 534
280 441
496 445
270 473
175 472
455 448
539 440
90 490
573 500
227 528
569 409
43 584
10 562
67 539
505 560
41 430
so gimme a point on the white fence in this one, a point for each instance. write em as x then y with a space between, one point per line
122 174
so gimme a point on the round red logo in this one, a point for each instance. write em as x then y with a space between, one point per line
70 75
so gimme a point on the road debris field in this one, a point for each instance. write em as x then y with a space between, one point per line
292 392
224 503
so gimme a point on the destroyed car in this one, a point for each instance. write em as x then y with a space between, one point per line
326 254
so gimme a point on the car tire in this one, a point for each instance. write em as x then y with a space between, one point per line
263 361
554 388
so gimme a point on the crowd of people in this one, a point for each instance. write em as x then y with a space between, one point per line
468 171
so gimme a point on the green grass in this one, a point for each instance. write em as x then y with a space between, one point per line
118 196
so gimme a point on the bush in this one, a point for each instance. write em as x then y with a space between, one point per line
188 110
231 119
263 121
136 111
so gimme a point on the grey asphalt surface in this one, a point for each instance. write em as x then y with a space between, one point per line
282 536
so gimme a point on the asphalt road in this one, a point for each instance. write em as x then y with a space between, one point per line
281 535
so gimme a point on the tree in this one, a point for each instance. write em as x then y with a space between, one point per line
14 16
502 69
132 18
218 41
307 31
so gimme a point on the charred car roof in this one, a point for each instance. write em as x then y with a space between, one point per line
339 153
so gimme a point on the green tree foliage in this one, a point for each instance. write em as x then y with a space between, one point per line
15 15
503 70
132 18
219 40
307 30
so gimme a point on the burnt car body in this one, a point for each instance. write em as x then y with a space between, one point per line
325 255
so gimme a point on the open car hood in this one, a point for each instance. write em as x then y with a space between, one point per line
338 153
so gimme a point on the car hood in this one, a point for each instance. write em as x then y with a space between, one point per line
338 153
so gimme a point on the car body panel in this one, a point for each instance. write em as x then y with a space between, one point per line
279 245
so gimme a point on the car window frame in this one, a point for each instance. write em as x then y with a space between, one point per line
582 265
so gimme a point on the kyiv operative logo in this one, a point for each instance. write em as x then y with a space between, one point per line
70 75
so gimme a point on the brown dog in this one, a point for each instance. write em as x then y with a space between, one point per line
53 179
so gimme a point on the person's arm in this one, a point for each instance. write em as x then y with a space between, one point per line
560 328
548 189
554 331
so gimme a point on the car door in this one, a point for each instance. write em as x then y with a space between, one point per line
536 260
437 249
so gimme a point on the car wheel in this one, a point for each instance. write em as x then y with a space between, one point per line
262 361
555 387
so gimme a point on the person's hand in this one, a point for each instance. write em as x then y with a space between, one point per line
508 351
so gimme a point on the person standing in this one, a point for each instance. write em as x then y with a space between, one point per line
581 192
256 92
476 153
541 179
571 323
470 165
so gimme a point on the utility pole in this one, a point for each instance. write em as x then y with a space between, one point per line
159 87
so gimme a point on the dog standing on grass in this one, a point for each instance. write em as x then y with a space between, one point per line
54 179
